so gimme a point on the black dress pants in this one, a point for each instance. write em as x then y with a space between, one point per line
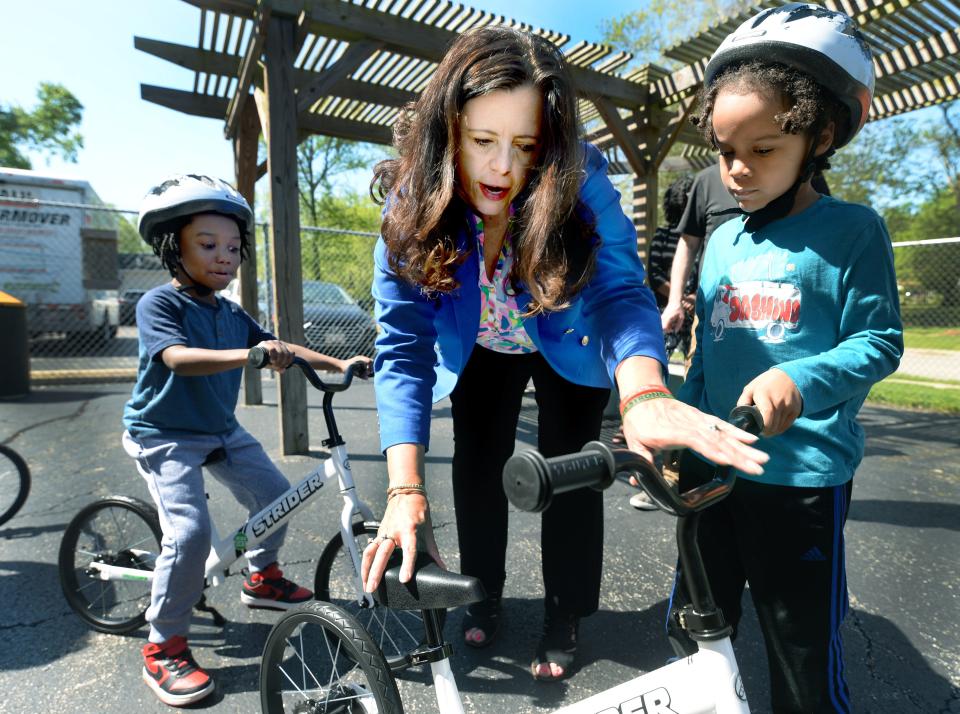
486 407
787 543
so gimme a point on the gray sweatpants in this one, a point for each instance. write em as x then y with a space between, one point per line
171 467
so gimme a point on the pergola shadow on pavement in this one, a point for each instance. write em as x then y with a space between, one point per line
293 68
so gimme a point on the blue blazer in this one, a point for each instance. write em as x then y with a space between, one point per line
424 342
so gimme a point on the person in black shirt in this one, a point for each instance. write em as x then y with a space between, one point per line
660 259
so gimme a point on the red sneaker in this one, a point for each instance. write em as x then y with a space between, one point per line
170 671
269 589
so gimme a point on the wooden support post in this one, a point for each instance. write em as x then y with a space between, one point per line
281 135
645 211
245 167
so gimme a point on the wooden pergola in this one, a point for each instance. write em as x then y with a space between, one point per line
288 69
916 46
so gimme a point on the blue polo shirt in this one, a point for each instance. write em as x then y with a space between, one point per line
167 404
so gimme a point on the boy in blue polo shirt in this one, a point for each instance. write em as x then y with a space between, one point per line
193 345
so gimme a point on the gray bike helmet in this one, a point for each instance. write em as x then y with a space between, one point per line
187 195
822 43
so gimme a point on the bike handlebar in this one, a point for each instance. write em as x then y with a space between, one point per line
530 480
258 357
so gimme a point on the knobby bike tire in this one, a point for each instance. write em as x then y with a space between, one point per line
131 538
22 479
396 632
319 659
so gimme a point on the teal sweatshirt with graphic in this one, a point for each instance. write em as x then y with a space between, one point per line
814 295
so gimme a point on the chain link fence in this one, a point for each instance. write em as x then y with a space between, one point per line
928 276
80 269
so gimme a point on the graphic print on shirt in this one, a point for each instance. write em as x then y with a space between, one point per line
770 307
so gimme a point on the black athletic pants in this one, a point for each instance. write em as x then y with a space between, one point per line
787 543
486 407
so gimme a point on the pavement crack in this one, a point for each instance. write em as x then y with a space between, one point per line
35 623
870 662
78 412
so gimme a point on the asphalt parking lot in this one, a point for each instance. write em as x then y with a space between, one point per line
902 637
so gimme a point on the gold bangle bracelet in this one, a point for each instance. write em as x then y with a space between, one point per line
407 487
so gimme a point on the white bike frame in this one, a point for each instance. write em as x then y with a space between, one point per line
224 552
708 681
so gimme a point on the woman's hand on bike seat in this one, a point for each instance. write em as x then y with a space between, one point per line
406 525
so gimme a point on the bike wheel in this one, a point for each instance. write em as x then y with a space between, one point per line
319 660
14 483
114 531
396 632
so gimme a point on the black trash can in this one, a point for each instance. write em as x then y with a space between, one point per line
15 350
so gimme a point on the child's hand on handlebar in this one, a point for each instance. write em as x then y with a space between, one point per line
777 398
280 355
364 368
659 424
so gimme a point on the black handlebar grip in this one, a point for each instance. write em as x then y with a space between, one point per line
747 418
530 480
258 357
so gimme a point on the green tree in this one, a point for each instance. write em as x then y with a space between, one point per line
128 238
944 136
888 164
49 128
647 32
322 162
932 268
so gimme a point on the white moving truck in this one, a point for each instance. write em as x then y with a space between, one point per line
57 257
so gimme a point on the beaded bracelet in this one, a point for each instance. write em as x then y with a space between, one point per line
654 392
415 487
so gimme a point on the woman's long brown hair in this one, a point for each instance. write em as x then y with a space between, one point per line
553 231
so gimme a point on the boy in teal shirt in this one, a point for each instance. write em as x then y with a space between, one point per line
798 314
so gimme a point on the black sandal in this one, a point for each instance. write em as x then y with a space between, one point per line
481 622
558 645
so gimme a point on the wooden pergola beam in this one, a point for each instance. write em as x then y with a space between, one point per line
226 65
625 139
333 18
198 105
245 146
204 105
349 22
925 94
922 52
673 129
248 66
281 134
355 55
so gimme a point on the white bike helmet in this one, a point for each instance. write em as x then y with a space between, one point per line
186 195
822 43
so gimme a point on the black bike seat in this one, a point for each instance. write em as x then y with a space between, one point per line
430 588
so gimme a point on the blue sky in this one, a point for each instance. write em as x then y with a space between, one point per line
129 143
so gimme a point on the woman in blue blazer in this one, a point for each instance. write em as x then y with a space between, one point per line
505 257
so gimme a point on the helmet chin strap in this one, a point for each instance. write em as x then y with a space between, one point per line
783 204
198 289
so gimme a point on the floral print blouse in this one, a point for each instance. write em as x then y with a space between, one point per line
501 325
